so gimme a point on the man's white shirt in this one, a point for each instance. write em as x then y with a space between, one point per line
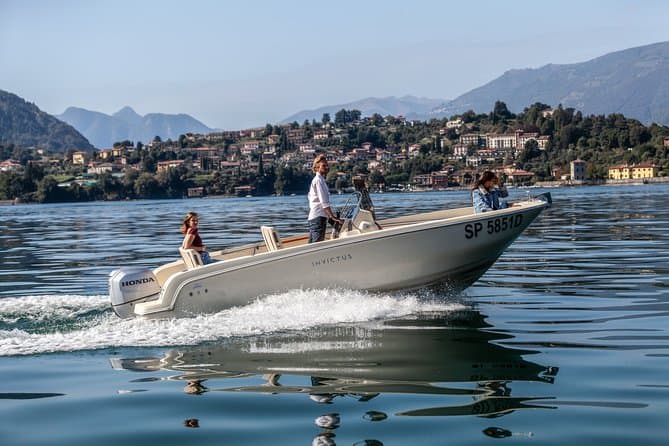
319 197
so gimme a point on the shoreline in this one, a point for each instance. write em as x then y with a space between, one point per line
545 185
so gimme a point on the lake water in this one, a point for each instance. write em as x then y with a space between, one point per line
565 340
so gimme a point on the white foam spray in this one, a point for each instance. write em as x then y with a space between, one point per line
100 328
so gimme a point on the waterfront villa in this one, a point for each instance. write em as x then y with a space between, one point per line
633 172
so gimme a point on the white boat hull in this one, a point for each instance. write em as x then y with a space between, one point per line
454 250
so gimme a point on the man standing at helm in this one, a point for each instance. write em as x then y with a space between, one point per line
319 201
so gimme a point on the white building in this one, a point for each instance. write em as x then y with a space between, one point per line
454 124
505 141
577 170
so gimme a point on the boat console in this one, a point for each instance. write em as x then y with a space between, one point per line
357 213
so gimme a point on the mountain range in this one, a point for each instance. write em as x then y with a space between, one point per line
408 106
104 130
634 82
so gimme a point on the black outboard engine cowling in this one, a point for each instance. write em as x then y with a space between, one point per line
130 286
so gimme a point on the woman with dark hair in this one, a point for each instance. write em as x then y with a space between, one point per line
482 193
192 239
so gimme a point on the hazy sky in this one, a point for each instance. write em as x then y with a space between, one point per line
243 63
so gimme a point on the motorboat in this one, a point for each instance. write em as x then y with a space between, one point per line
459 362
448 246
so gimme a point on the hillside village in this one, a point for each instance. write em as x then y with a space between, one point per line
243 151
393 153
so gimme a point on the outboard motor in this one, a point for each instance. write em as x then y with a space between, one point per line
130 286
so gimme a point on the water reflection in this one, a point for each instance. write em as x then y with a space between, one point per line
453 357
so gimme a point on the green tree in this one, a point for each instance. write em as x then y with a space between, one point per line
149 161
500 113
11 185
268 130
340 118
146 186
49 192
77 193
173 182
376 179
31 177
124 143
110 187
343 117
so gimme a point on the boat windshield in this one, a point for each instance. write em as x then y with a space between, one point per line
359 199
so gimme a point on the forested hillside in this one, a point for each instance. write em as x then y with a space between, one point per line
24 124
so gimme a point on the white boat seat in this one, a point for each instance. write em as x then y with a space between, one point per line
191 258
271 237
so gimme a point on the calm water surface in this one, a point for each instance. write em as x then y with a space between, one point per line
563 341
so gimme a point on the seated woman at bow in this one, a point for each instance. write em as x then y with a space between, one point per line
192 239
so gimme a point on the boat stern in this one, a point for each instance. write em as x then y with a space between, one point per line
130 286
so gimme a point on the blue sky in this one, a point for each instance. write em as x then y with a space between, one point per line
237 64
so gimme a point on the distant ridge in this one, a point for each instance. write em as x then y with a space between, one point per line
407 106
634 82
104 130
24 124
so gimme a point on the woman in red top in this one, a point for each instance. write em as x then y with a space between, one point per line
192 238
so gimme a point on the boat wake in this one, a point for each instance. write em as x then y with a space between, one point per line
65 323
